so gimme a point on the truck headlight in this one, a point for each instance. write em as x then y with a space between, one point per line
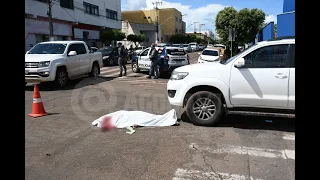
105 57
178 75
44 64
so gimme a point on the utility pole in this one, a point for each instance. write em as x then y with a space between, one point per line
195 27
49 13
200 25
155 4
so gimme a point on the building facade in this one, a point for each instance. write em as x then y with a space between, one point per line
72 19
148 30
170 20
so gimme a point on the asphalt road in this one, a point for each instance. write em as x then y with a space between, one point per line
63 145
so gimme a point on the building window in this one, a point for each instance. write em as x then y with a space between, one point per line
110 14
179 20
176 30
176 19
66 4
91 9
44 1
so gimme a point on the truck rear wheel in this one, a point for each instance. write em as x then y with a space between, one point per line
204 108
61 77
95 71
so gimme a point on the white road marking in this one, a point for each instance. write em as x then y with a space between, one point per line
289 137
183 174
242 150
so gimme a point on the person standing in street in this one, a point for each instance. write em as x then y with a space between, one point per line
154 64
121 56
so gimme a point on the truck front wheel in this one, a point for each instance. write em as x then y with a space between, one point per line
204 108
61 77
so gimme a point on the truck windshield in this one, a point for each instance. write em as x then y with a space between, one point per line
53 48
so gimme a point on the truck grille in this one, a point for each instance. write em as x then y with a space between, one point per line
31 65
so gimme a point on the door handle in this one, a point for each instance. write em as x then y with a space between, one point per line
280 76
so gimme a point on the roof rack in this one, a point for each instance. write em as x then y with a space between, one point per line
281 38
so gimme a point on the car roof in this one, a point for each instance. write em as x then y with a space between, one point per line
210 49
170 47
272 41
61 42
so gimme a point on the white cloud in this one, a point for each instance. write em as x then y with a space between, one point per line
270 18
204 15
133 4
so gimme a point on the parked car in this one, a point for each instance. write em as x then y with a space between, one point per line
94 49
194 46
257 81
209 55
138 50
109 55
187 48
169 58
201 47
60 61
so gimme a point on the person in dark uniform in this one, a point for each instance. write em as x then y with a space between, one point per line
154 66
121 56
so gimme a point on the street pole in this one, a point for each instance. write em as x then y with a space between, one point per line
49 2
195 27
157 19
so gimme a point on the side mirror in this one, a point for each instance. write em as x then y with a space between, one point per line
221 55
199 53
72 53
239 63
27 52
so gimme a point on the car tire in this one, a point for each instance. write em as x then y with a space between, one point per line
61 79
95 71
204 108
135 67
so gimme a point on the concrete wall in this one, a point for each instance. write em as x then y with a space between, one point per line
77 14
286 24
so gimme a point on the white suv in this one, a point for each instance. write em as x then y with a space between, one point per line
258 81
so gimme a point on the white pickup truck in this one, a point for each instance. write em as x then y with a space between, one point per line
60 61
258 81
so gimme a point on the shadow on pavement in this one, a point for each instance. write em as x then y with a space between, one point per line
253 122
72 84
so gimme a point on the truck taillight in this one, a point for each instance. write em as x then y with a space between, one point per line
166 58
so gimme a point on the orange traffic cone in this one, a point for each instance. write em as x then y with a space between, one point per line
37 106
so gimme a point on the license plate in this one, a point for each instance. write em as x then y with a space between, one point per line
26 71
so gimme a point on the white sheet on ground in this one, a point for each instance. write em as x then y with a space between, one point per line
122 119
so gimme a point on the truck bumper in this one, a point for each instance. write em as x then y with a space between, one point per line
38 75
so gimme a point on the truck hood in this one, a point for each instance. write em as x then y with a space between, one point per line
41 57
207 70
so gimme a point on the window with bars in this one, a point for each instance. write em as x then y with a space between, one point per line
110 14
91 9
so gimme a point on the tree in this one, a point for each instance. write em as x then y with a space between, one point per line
106 36
118 35
133 38
178 39
140 38
275 30
246 22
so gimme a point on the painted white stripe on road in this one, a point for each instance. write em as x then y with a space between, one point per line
183 174
289 137
37 100
242 150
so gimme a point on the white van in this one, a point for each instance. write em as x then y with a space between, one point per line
194 46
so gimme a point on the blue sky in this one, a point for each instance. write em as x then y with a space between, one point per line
204 11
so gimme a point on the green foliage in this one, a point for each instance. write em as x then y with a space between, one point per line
132 38
110 35
275 30
141 38
118 35
178 39
246 22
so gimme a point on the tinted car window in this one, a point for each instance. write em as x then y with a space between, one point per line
176 51
79 48
48 49
274 56
210 53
